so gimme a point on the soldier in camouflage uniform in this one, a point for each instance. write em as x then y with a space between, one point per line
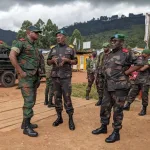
25 58
91 72
116 86
62 57
49 93
99 75
142 82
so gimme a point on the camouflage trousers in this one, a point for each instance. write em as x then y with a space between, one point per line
91 79
100 85
29 86
135 91
115 100
49 93
62 87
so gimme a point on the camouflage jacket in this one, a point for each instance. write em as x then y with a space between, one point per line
28 56
47 67
100 62
143 76
115 65
60 51
91 65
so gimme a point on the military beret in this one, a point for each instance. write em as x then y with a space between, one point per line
146 51
105 45
34 29
118 36
61 31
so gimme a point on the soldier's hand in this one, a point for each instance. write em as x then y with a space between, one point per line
22 74
64 60
55 60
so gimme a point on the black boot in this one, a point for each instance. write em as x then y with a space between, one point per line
87 96
46 98
143 111
115 136
50 103
99 102
71 123
101 130
59 119
33 126
28 130
127 106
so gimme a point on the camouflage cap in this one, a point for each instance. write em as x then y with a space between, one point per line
105 45
118 36
34 29
146 51
61 31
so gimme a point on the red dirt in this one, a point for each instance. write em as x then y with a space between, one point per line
134 135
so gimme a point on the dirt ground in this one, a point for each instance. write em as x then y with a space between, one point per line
134 135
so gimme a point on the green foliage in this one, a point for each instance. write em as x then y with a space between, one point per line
134 37
46 38
22 32
79 90
76 36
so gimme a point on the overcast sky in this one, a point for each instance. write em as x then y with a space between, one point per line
64 12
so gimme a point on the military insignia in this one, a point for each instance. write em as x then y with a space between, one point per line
125 50
52 46
71 46
149 61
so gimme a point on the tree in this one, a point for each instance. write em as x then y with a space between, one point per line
22 32
76 39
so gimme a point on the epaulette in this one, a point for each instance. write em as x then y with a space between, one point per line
71 46
52 46
22 39
125 50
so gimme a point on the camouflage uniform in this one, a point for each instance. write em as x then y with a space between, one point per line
49 86
91 72
142 83
100 76
29 61
61 77
116 85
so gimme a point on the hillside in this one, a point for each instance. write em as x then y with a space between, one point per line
7 36
134 37
104 23
98 30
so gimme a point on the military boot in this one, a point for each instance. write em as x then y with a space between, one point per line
50 103
71 123
127 106
87 95
101 130
143 111
28 130
115 136
99 102
59 119
33 126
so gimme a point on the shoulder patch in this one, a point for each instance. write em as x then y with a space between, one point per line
125 50
22 39
52 46
71 46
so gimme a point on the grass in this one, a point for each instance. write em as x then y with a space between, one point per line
79 90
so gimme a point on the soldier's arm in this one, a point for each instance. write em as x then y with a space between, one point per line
50 59
137 61
15 50
144 68
73 60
